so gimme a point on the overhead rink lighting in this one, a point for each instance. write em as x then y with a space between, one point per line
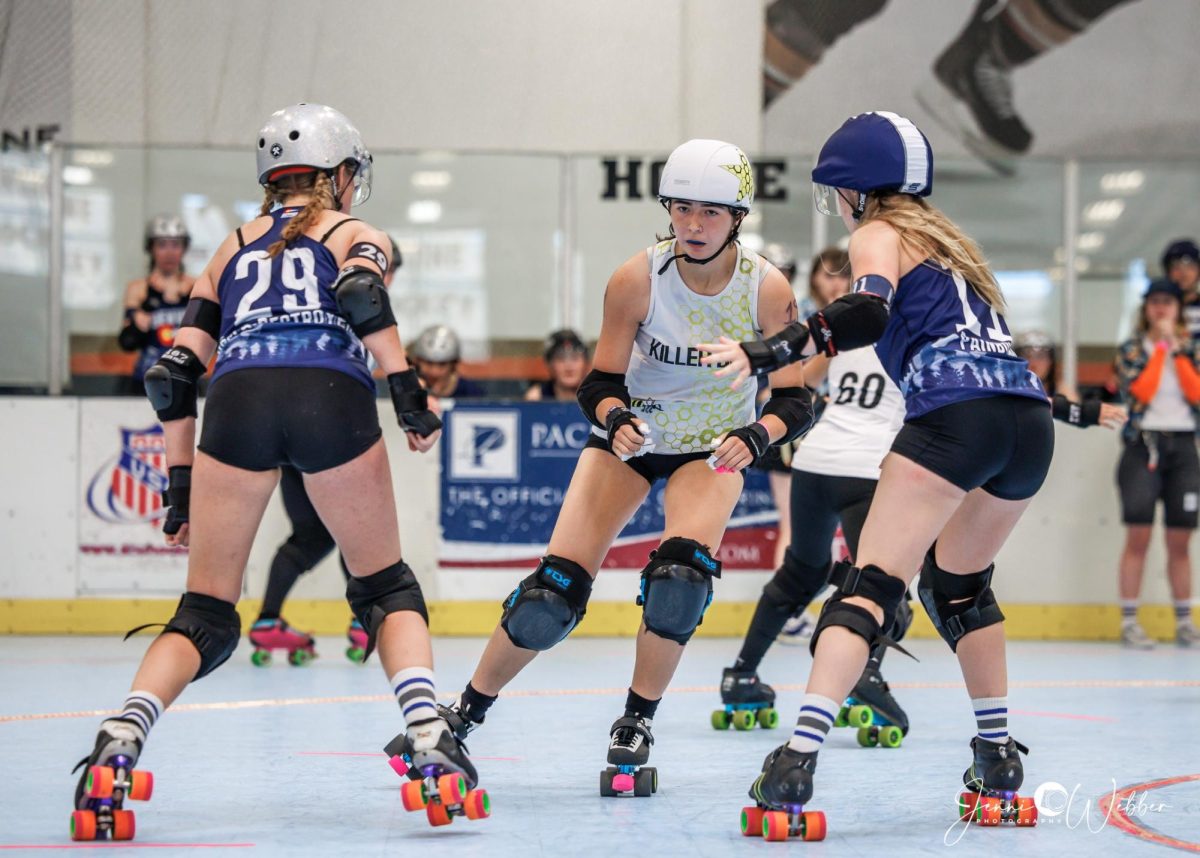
1089 241
431 180
1125 182
424 211
1103 211
73 175
92 157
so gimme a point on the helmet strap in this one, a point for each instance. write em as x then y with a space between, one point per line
857 207
730 239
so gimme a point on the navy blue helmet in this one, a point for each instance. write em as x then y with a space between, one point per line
873 151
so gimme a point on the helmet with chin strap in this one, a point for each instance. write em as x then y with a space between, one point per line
306 137
708 171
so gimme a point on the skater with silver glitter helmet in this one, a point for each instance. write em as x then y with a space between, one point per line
290 304
657 414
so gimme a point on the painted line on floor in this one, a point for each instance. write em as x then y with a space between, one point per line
125 844
1121 818
594 692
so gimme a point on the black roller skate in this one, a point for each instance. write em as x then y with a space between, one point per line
779 794
748 700
992 782
871 708
108 779
441 777
628 753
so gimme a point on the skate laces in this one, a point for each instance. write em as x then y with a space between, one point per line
425 735
995 84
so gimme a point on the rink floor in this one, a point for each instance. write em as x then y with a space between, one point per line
282 759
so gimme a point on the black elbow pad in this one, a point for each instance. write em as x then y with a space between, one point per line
363 301
598 386
850 322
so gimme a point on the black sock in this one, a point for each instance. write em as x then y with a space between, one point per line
475 704
637 706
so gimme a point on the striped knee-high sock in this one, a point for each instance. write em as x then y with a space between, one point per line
140 711
413 687
991 717
813 725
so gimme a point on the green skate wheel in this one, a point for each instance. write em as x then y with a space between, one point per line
260 657
743 719
721 719
867 737
768 719
840 720
890 737
860 716
356 654
299 657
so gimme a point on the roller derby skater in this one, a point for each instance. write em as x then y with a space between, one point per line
441 778
833 478
310 405
975 446
658 415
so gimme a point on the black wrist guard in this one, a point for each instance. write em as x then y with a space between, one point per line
615 419
755 437
1081 414
778 351
411 402
177 497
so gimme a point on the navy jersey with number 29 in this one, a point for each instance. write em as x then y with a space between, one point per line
944 344
280 311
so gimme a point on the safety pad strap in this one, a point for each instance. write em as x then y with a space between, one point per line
567 578
684 550
388 591
957 604
869 582
858 620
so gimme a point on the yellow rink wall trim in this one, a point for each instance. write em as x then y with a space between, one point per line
477 619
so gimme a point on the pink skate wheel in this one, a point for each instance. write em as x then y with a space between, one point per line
398 765
623 783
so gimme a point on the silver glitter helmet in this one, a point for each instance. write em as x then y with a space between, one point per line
313 136
166 226
436 344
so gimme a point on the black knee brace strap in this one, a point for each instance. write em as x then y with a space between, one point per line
677 588
795 584
212 625
872 583
547 605
940 591
388 591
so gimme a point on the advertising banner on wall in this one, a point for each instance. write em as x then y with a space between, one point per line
122 473
505 472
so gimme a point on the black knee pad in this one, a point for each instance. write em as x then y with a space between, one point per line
795 583
677 588
212 625
872 583
388 591
939 590
547 605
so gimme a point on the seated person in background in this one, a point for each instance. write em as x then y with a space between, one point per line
435 354
1181 265
154 305
567 362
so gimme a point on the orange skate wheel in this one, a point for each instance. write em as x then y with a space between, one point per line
966 805
775 825
477 805
989 810
141 785
812 825
1026 811
83 825
437 814
752 823
123 827
413 795
452 788
100 782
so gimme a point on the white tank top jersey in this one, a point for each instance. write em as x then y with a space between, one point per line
864 413
684 403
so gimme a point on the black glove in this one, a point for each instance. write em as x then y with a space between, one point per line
617 417
177 497
755 437
411 402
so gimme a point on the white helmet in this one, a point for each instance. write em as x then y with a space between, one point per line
317 136
437 344
708 171
166 226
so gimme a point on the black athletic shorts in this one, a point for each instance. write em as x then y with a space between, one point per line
649 466
1175 479
819 503
312 419
1002 444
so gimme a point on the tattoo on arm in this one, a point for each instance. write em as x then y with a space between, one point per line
793 312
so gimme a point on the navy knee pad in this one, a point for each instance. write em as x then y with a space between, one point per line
677 588
547 605
795 584
871 583
957 604
212 625
388 591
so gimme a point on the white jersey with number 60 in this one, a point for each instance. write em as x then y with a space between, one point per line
864 413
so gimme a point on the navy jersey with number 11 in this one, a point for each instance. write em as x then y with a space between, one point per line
280 311
944 344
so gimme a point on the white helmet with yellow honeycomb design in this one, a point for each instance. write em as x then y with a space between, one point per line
708 171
